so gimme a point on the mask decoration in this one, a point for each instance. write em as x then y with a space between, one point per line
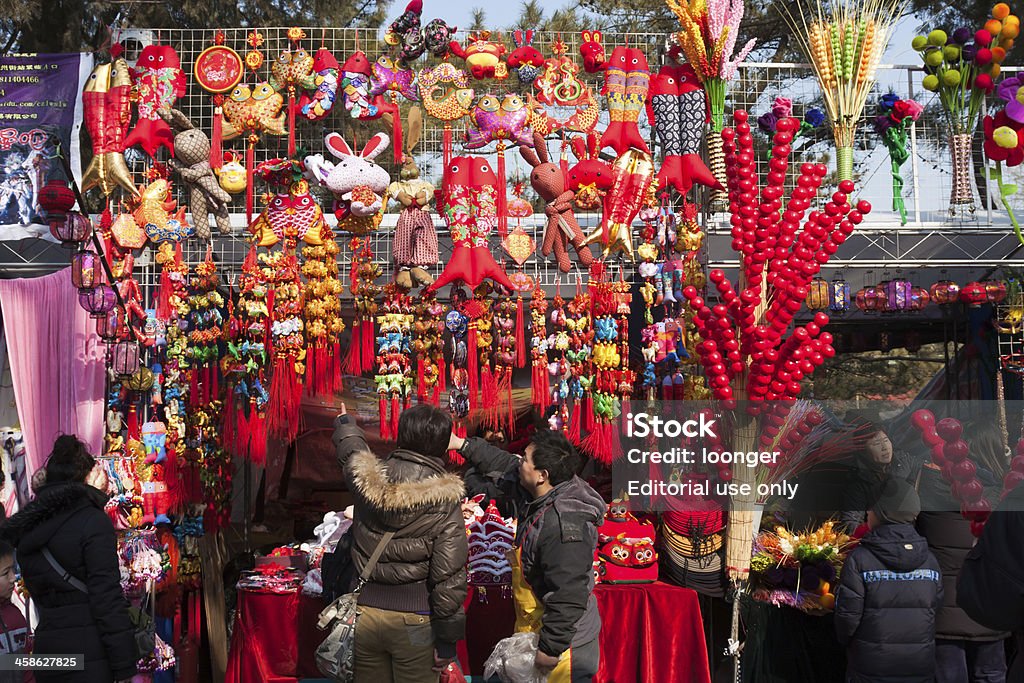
159 81
107 112
677 109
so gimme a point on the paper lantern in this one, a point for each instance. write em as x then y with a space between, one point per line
125 359
839 296
974 294
919 298
866 300
945 292
73 230
897 295
86 270
817 294
995 290
109 327
98 301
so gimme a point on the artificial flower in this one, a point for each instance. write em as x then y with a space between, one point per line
815 117
767 122
782 107
1010 91
882 123
903 109
888 100
1004 139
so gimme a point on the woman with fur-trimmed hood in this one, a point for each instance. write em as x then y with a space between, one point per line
411 609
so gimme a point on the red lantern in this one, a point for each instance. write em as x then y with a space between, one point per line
919 299
995 290
86 270
945 292
56 199
98 301
974 294
125 359
869 299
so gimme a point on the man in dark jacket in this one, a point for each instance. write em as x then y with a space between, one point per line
411 614
966 651
991 585
889 591
556 537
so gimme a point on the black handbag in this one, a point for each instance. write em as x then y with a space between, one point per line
142 620
337 570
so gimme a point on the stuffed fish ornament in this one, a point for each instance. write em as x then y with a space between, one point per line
159 81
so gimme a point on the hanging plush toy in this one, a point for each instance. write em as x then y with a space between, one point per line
293 71
428 345
393 78
591 177
158 214
501 121
231 174
107 112
192 163
355 87
677 109
292 215
415 243
592 50
394 364
562 229
358 184
251 112
559 85
633 186
447 97
318 101
469 205
626 80
159 81
484 57
525 59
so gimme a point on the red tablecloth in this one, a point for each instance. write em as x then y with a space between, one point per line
652 633
274 638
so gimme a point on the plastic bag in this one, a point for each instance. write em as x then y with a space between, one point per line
512 660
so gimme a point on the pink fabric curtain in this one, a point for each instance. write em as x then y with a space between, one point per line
56 362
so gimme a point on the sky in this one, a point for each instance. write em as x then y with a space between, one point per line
500 13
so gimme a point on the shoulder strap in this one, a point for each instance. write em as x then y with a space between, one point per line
364 576
59 568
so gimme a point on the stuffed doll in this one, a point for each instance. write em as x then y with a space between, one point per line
358 184
525 59
468 203
626 80
562 229
415 244
484 57
677 109
192 163
591 177
159 81
107 112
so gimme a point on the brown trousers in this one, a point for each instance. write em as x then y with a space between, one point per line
394 647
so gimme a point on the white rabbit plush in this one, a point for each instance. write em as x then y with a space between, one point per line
357 183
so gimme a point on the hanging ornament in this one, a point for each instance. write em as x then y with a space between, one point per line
539 350
218 69
363 287
107 112
626 80
559 85
468 204
205 320
447 97
356 181
281 272
158 81
394 378
322 312
484 57
633 186
293 71
428 331
318 101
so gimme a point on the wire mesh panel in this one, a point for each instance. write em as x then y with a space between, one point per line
927 175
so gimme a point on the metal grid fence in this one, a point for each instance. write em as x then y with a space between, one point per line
928 238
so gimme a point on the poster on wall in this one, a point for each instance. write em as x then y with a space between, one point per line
40 103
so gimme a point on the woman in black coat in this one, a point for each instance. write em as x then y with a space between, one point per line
67 518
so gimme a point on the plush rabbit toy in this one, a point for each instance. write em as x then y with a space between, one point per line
357 183
549 182
192 162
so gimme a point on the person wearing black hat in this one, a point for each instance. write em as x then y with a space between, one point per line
889 591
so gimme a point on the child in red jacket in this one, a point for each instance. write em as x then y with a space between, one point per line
15 637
